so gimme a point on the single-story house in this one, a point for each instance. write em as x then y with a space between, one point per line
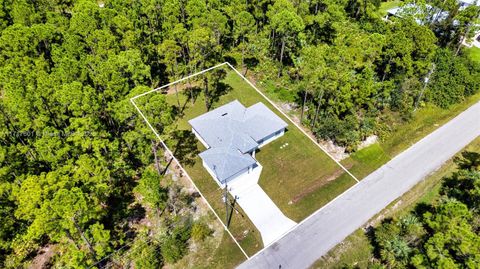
430 13
232 133
466 3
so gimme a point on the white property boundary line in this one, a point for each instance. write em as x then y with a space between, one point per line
188 176
300 128
193 183
180 80
315 142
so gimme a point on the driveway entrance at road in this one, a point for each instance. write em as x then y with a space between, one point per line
261 210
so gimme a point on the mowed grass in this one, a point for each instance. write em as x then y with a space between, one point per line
425 121
474 54
363 162
299 178
299 170
227 255
240 225
402 136
356 248
385 6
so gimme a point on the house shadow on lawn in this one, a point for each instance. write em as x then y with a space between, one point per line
184 146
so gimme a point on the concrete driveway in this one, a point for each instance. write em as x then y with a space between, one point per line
320 232
258 206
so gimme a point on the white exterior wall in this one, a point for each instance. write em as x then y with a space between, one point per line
211 173
271 137
246 180
245 171
201 139
267 140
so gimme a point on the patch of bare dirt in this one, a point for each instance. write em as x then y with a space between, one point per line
200 252
337 152
202 208
288 107
43 257
318 183
367 142
179 176
180 87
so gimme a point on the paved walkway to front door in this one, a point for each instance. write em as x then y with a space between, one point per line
261 210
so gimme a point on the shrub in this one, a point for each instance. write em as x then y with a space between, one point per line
345 132
173 249
149 187
147 256
200 231
454 79
175 245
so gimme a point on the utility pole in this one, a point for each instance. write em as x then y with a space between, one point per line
427 79
225 199
225 196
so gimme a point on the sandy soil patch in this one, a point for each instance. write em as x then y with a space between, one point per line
43 257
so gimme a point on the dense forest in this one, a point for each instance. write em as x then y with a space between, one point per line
444 234
73 152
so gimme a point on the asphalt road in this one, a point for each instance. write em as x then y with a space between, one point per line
327 227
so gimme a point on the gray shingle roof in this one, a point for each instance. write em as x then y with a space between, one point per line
261 122
231 131
223 131
226 162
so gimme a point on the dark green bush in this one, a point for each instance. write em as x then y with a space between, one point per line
148 257
200 231
454 79
175 245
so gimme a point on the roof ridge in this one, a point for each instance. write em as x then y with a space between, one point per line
231 131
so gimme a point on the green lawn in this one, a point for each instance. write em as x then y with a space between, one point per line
425 121
356 248
361 163
227 255
402 136
385 6
474 54
222 256
300 178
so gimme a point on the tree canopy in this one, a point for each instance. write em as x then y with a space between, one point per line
444 234
75 157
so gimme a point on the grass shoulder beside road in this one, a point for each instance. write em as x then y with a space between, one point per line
297 175
356 248
314 179
403 135
474 54
425 121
